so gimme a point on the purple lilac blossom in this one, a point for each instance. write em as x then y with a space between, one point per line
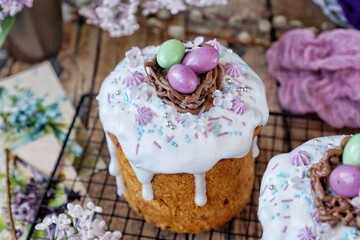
119 18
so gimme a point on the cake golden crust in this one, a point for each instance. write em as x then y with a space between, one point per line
229 184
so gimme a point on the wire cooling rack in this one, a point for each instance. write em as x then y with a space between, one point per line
282 133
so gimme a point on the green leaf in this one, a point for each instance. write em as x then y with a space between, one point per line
2 224
60 197
5 26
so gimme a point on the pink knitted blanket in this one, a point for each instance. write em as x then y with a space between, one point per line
319 74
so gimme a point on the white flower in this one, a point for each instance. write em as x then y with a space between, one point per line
197 42
75 211
356 201
224 100
324 231
86 228
92 207
196 123
139 92
62 222
111 236
44 225
135 57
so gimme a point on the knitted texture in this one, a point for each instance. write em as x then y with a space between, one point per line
319 74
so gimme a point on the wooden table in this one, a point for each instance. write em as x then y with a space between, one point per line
88 54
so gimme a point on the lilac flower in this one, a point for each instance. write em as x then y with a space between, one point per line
135 57
84 227
238 106
224 100
135 79
306 234
302 184
119 18
196 44
12 7
144 116
300 158
195 122
116 17
356 201
215 44
233 69
324 231
139 92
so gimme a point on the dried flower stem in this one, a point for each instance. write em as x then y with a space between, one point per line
12 225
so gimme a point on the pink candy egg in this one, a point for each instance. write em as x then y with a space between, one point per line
182 79
345 180
202 60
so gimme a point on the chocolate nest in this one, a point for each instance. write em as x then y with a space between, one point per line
331 209
192 103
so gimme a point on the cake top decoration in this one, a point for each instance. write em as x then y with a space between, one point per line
185 75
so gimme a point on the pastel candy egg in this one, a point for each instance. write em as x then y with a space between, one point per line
202 60
170 52
182 79
351 153
345 180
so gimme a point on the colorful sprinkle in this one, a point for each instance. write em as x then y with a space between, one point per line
264 190
226 118
214 118
277 164
170 138
272 199
287 217
157 145
287 200
137 148
286 186
222 134
284 229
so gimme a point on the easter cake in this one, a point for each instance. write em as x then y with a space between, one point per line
312 193
181 122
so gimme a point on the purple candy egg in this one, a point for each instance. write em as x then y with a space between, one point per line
182 79
202 60
345 180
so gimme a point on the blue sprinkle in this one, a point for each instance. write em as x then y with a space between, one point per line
286 206
282 174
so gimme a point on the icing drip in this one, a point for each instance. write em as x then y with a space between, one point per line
200 189
147 191
113 166
255 148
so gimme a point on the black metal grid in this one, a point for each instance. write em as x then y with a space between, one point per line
282 133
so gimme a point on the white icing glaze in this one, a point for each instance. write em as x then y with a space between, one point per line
196 143
286 203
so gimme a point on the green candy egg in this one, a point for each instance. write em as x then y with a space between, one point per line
351 153
170 52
